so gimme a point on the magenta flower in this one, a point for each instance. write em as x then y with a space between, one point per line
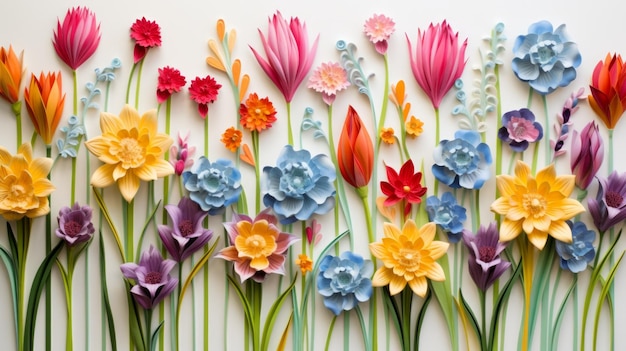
609 206
587 154
186 235
484 262
378 29
437 61
77 38
204 91
289 57
75 225
181 155
519 129
170 81
152 276
147 34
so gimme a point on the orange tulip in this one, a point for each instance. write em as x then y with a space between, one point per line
44 101
355 153
10 74
608 90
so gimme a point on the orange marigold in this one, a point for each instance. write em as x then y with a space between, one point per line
386 135
257 114
232 138
305 263
414 127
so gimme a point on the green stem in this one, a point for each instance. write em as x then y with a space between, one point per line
437 140
257 170
48 249
206 137
71 263
75 95
611 238
289 131
330 331
383 110
362 191
23 240
73 185
138 84
546 130
17 111
130 80
407 298
483 320
148 317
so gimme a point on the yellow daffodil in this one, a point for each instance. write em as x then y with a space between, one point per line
131 149
536 205
409 256
24 187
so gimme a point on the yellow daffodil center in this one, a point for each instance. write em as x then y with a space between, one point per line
131 153
256 242
535 205
19 195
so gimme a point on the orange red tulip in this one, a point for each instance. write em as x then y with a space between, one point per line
608 90
44 101
355 153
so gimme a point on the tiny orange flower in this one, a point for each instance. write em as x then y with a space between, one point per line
257 114
414 127
305 263
232 138
387 136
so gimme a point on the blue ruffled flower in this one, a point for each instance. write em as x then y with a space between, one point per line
299 185
447 214
462 162
544 58
344 281
580 252
213 186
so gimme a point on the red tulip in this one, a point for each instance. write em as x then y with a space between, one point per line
355 153
608 90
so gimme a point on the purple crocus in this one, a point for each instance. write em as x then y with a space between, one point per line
609 206
152 276
186 235
75 225
587 154
484 262
519 129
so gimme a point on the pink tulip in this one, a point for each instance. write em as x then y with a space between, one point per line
77 38
289 58
437 61
587 154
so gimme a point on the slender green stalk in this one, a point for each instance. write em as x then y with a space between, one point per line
611 238
71 264
289 131
330 331
257 170
138 84
437 140
546 130
483 320
23 240
383 109
148 318
407 298
17 111
575 318
129 215
130 80
371 238
48 249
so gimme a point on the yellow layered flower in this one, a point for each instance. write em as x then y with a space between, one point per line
44 101
409 256
131 149
24 186
539 205
256 242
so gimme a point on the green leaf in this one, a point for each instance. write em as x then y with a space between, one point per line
135 329
559 317
10 266
603 295
247 310
420 319
392 306
155 336
283 339
13 245
107 217
105 295
145 228
272 314
466 311
500 302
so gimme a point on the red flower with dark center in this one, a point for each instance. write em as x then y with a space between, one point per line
147 34
204 91
404 186
170 82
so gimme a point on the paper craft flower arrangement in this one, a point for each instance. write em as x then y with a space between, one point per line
286 227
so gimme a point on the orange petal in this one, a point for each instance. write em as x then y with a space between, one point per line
245 82
236 70
247 156
221 29
232 37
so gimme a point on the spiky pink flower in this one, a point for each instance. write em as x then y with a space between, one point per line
77 38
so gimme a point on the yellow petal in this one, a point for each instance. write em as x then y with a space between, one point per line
506 185
501 205
42 210
419 286
396 284
570 208
561 231
43 187
411 231
220 26
243 87
391 231
162 142
522 171
564 184
538 238
232 38
27 151
162 168
378 250
103 176
98 145
438 249
382 277
546 174
149 121
215 63
128 185
509 230
109 123
145 173
427 232
129 117
40 167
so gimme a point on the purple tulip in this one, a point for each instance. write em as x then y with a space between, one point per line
485 264
587 154
75 224
186 235
609 206
152 276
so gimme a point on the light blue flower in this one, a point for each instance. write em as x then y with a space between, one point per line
544 58
462 162
447 214
213 186
580 252
299 185
344 281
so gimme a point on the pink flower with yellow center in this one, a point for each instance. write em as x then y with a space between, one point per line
378 29
329 79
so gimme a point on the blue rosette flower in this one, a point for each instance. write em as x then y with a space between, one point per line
213 185
344 281
575 256
462 162
299 185
448 214
545 58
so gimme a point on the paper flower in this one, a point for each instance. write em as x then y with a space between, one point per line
181 154
539 205
329 79
545 58
519 129
587 154
387 136
409 256
448 214
437 61
609 207
289 57
305 263
11 72
186 235
404 186
24 188
344 281
152 278
44 102
484 262
414 127
147 34
257 114
313 235
204 91
299 186
355 152
232 138
258 246
608 90
170 81
462 162
576 255
75 224
378 29
77 38
131 149
213 185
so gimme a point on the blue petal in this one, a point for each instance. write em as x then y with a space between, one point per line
542 26
524 69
